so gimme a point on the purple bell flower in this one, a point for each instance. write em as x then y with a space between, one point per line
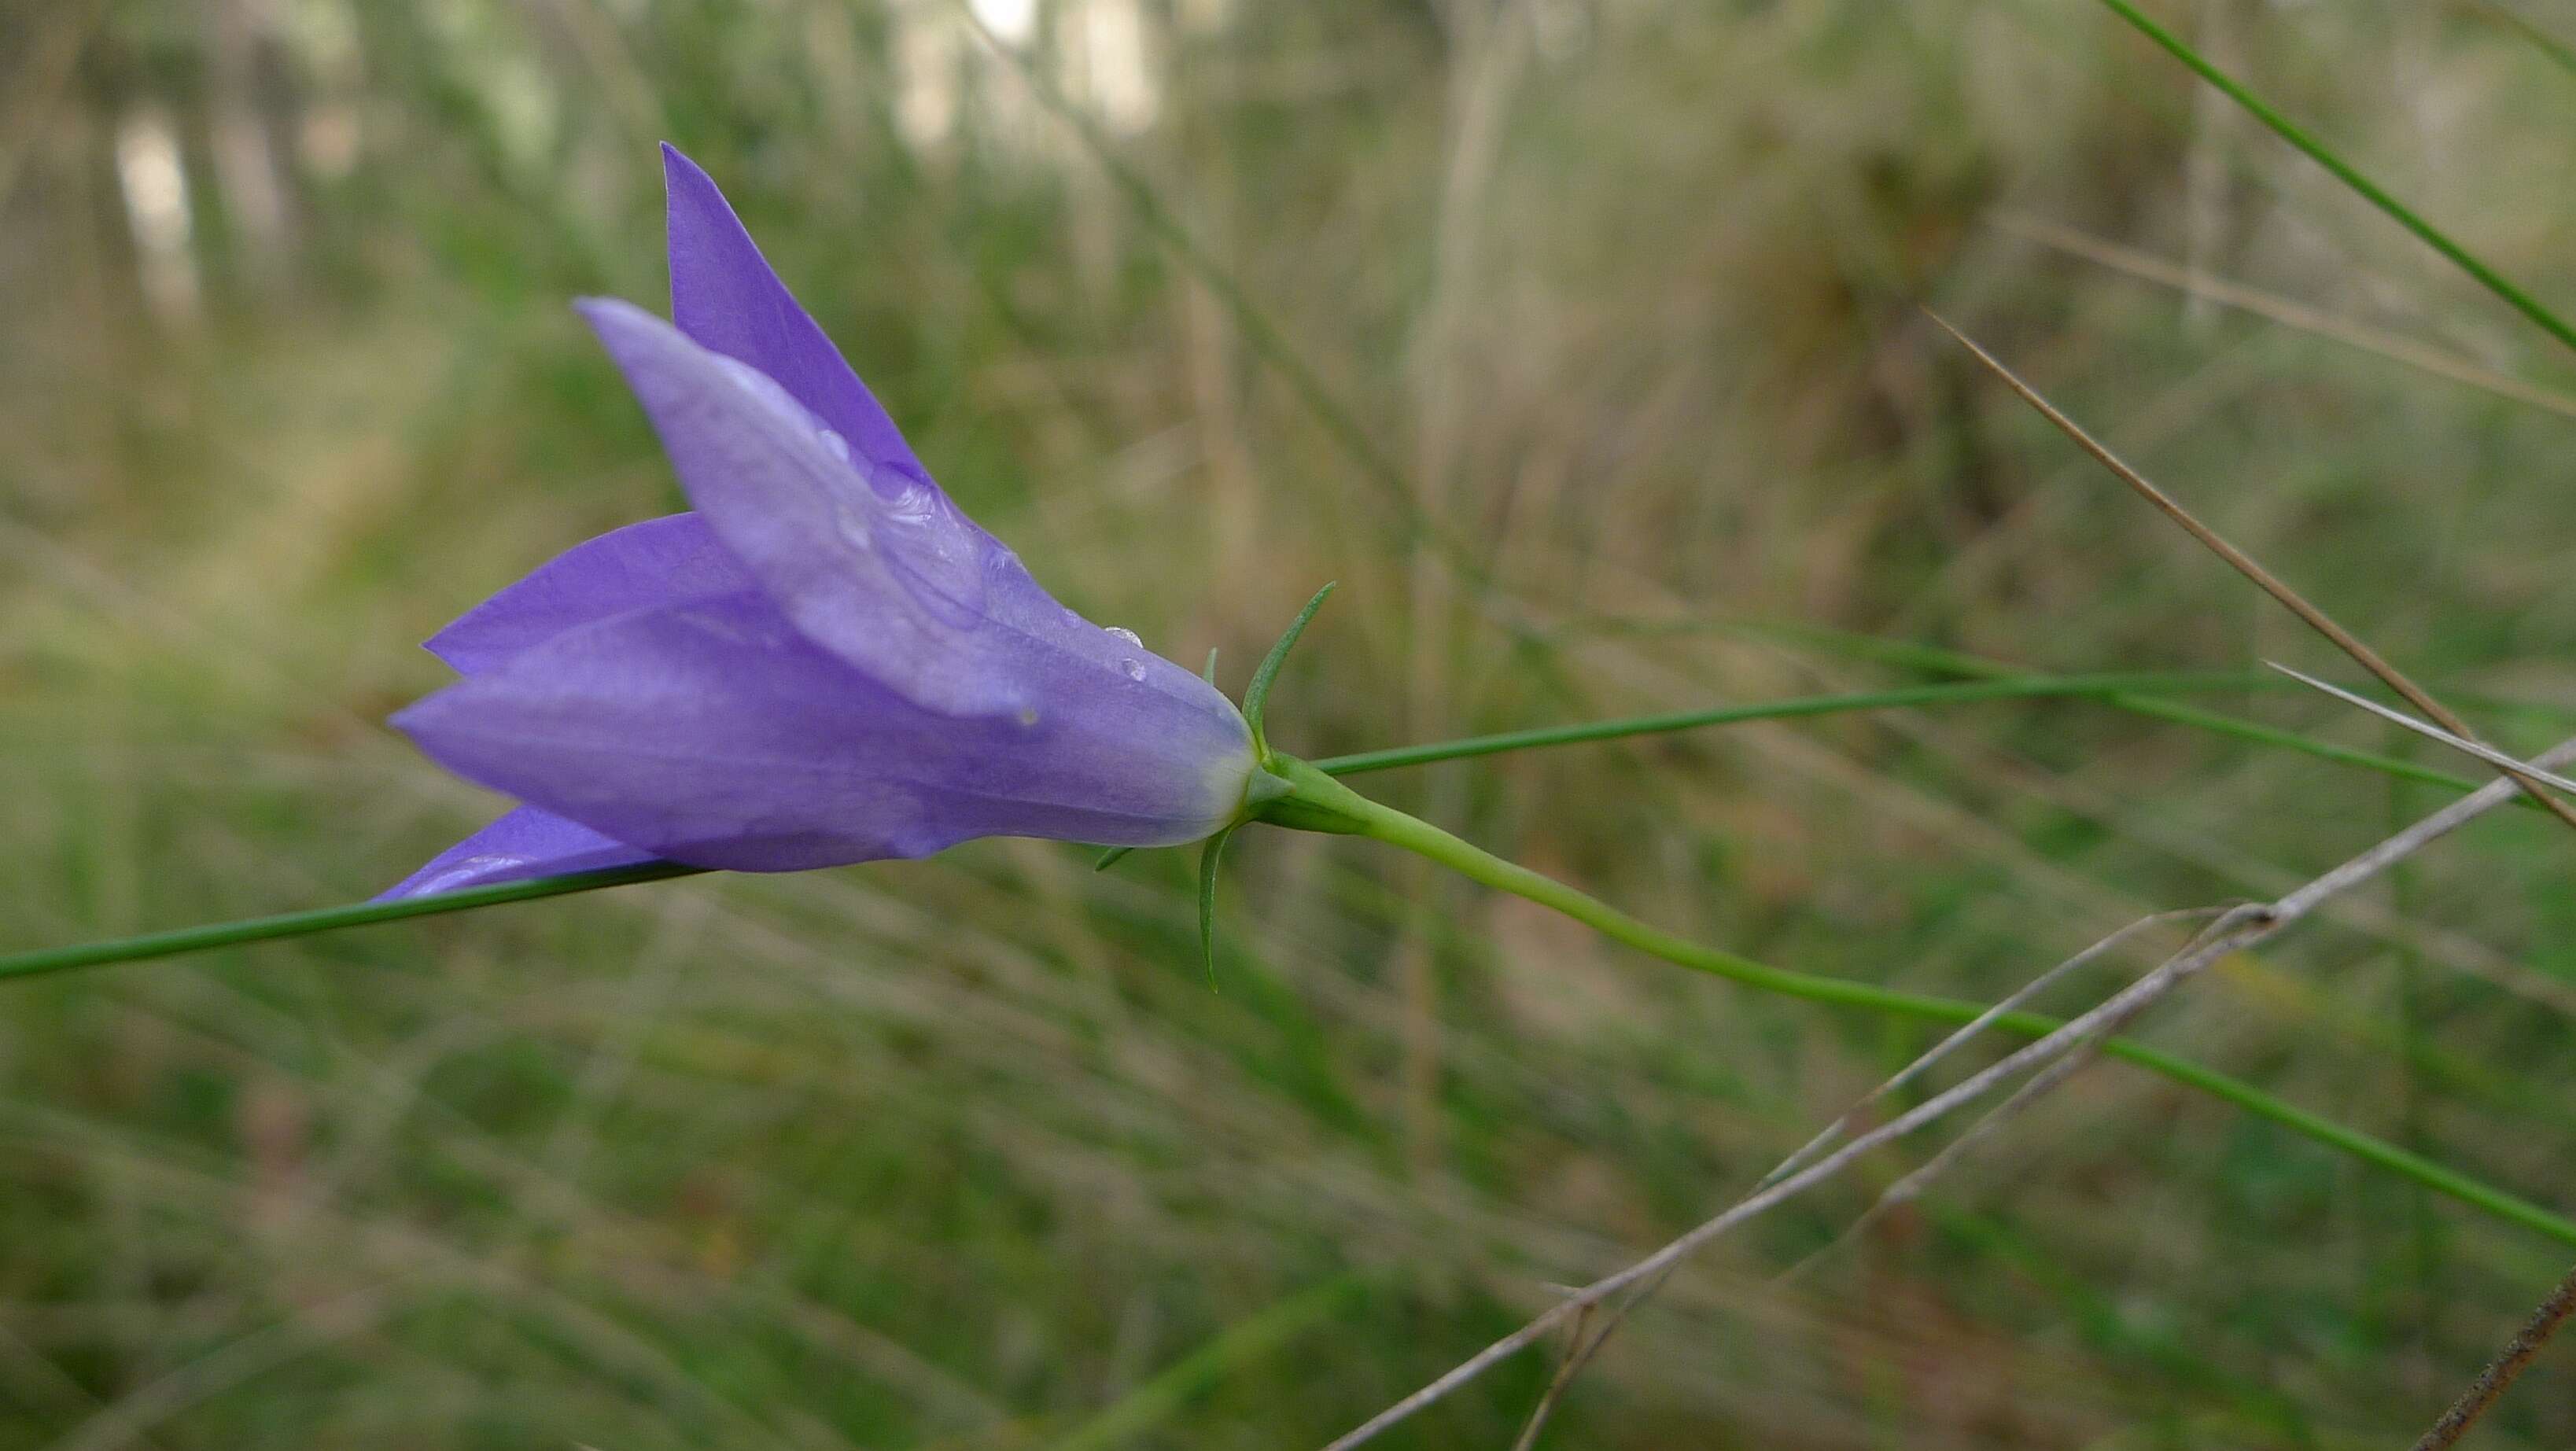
824 662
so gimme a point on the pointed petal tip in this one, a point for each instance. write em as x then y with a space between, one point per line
441 645
435 722
524 843
727 298
678 166
650 562
412 718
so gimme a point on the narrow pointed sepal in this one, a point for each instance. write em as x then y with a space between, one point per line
1257 694
1208 863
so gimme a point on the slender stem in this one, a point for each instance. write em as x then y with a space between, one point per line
326 919
1946 693
2505 1369
1421 837
2369 191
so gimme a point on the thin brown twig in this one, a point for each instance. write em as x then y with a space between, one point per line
1654 1265
1909 1188
1923 1064
2019 997
2500 1373
2243 563
2121 1007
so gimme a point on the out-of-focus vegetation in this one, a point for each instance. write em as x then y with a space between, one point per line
964 1152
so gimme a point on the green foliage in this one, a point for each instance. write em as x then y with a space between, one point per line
1616 303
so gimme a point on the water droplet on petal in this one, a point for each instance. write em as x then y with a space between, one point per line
838 446
1130 636
1135 669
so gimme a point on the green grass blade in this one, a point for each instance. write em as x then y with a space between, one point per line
2129 690
1159 1399
2257 733
2343 171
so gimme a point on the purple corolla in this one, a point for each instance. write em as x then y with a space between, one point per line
824 662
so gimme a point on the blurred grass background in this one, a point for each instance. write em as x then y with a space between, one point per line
1620 294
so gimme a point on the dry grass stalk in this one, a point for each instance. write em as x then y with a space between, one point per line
2245 564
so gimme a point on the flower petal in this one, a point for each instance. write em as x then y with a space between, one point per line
726 298
658 561
713 732
880 569
522 844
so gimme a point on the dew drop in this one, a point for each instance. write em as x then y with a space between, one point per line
1135 669
838 446
1130 636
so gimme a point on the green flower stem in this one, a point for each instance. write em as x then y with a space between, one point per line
325 919
2369 191
1383 823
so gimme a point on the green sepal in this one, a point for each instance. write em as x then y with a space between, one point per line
1305 799
1265 786
1257 694
1208 860
1209 674
1111 858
